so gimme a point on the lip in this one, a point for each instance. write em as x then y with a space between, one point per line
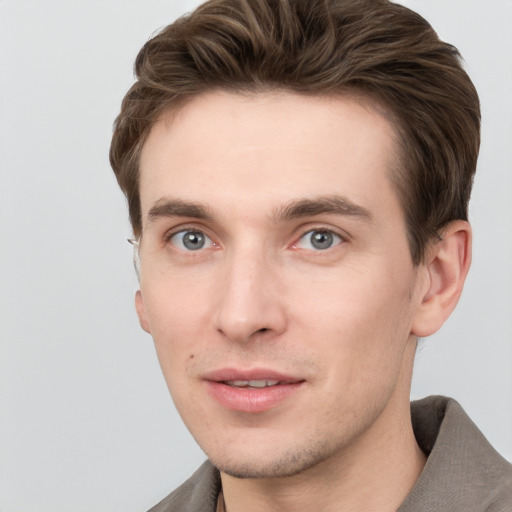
225 374
251 400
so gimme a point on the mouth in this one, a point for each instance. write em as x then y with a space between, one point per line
252 384
251 391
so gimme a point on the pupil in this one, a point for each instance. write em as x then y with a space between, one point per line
193 240
321 239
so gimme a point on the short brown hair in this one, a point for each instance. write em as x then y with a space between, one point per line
381 50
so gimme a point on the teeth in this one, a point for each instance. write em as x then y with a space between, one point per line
251 383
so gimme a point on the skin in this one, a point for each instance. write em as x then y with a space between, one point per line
343 320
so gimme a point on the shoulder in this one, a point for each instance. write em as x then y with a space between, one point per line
463 471
197 494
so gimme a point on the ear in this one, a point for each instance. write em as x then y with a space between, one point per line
446 268
141 311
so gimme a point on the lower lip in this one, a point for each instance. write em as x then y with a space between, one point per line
251 399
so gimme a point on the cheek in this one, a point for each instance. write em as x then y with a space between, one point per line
176 318
350 297
175 301
361 318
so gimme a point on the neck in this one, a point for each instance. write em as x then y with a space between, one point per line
376 472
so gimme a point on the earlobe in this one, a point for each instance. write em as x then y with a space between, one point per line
141 311
446 269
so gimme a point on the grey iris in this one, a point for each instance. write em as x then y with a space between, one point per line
193 240
321 239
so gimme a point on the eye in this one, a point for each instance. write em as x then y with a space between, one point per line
318 240
190 240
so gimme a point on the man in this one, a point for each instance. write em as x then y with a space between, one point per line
298 175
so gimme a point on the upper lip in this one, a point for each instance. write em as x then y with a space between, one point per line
231 374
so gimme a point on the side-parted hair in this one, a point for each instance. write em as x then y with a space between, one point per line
375 49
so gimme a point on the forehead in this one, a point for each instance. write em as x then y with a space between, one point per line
265 149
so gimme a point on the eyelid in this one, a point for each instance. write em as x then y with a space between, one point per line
301 231
311 226
182 228
338 239
169 233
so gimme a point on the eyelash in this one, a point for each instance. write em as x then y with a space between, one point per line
184 229
336 238
187 229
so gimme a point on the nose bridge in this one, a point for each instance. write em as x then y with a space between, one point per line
249 302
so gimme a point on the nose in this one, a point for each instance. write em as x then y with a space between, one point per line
250 303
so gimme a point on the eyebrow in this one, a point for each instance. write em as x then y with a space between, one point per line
298 208
332 204
178 208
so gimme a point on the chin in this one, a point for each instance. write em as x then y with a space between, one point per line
285 465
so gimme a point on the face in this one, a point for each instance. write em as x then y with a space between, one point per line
276 279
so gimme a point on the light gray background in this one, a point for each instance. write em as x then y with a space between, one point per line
86 421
